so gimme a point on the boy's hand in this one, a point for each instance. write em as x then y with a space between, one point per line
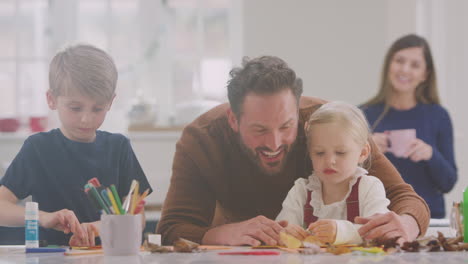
296 231
63 220
91 232
324 230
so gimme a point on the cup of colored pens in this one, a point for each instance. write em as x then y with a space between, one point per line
108 201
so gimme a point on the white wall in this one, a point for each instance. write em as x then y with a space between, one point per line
450 38
337 47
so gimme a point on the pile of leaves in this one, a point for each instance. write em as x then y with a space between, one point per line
426 244
311 245
180 245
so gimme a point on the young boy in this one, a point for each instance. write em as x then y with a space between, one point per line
54 166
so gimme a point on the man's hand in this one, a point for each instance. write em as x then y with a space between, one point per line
250 232
324 230
388 225
63 220
91 232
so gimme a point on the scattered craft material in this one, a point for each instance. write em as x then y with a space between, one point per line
311 245
251 253
180 245
184 245
153 248
290 241
311 249
311 240
337 250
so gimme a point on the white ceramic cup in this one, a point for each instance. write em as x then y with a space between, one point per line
121 234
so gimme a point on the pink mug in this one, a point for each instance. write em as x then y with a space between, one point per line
400 141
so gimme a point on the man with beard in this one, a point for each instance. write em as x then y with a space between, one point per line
235 164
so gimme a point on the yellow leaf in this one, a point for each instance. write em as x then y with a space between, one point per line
290 241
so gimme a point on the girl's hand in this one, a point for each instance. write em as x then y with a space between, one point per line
419 150
296 231
324 230
381 140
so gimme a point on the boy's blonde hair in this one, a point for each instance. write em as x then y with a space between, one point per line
85 69
349 116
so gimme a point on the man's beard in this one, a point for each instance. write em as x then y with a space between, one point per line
253 156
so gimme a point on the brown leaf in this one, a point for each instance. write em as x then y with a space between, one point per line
153 248
184 245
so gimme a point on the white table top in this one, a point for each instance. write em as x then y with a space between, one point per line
212 256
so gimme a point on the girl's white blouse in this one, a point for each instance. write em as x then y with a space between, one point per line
372 200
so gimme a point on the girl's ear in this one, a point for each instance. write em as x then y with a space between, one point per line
51 100
365 152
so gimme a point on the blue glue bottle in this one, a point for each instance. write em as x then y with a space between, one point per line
31 225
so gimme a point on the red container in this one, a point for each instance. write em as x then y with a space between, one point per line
38 123
9 124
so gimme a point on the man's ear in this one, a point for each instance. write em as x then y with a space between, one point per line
365 152
51 100
232 119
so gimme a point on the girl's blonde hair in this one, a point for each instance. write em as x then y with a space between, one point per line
349 116
85 69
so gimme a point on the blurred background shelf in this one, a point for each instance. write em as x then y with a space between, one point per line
154 128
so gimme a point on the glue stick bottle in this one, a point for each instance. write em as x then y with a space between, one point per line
31 225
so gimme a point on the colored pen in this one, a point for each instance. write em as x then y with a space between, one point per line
139 207
126 204
88 248
45 250
106 200
112 200
117 199
92 199
133 201
143 196
99 199
140 204
95 182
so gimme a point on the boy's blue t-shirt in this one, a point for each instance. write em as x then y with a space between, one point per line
54 170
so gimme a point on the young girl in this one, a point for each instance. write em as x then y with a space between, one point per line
339 188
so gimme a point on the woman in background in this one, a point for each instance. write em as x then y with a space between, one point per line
410 126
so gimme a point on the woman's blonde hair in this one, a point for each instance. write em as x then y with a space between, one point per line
83 68
426 92
349 116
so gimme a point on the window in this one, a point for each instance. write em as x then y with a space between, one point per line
23 58
170 51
